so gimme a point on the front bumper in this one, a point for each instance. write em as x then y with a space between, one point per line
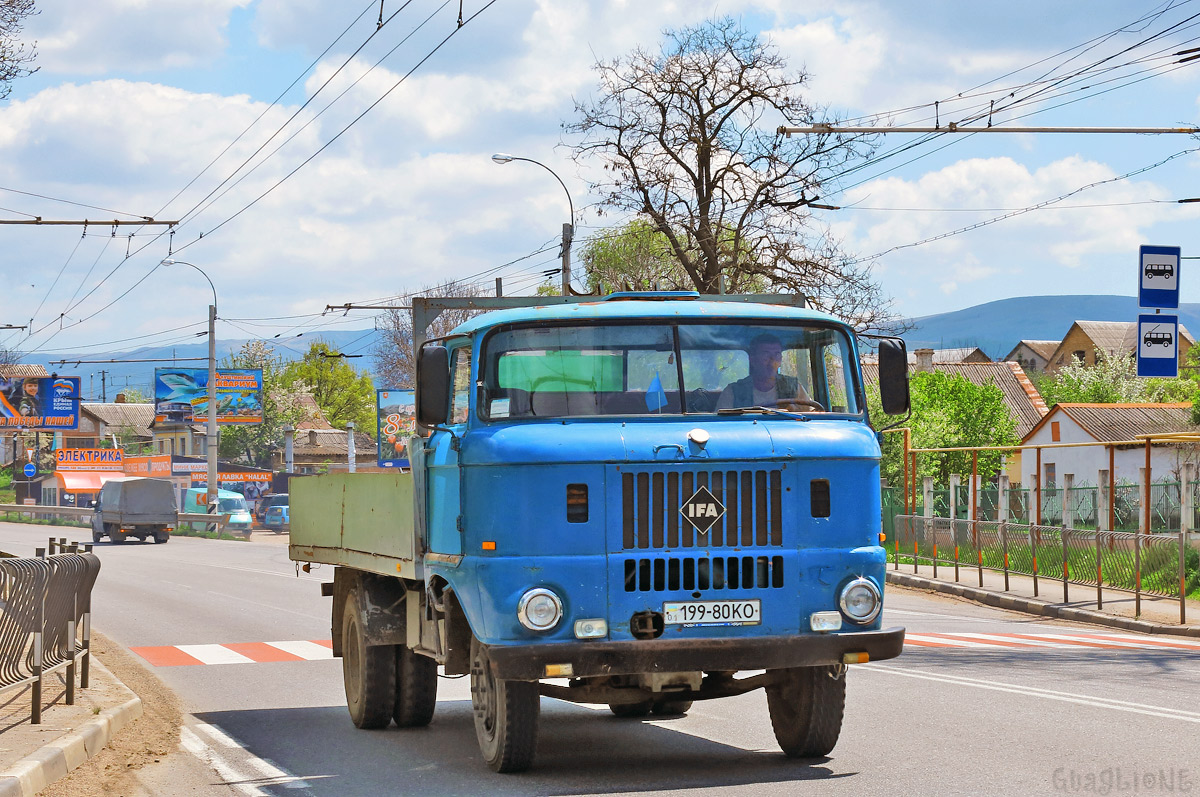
631 657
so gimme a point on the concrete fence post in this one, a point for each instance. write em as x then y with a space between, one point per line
955 489
1068 512
927 510
1102 499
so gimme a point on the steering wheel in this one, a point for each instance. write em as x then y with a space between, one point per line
790 403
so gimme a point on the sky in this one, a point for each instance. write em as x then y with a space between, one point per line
314 158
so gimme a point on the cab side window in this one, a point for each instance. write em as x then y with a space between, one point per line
460 375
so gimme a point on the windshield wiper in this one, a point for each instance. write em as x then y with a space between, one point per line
799 416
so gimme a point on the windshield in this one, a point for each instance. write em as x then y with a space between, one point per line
232 504
637 369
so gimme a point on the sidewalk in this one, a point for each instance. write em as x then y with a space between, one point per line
1158 615
33 756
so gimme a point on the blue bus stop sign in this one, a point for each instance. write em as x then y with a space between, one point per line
1158 276
1158 345
30 470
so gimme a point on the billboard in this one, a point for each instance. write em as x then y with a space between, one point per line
181 395
39 402
397 413
70 459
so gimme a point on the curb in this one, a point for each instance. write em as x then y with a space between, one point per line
55 759
1036 606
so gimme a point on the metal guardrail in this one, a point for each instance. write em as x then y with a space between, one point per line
84 514
45 619
1154 564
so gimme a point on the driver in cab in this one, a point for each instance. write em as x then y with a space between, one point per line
765 386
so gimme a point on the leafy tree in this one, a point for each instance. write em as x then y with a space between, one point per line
281 404
394 359
948 411
15 56
688 140
1113 380
341 392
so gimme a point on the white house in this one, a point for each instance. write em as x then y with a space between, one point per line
1106 423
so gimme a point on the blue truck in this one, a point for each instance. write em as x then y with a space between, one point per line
640 500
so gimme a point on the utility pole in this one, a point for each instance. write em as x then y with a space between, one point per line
103 387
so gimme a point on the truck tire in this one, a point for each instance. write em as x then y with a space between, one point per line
671 708
506 715
806 706
97 535
161 537
631 710
416 688
369 672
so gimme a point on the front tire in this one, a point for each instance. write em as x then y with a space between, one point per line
806 706
97 536
627 711
368 671
506 715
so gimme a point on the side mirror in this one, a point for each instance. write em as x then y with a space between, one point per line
433 385
893 376
91 504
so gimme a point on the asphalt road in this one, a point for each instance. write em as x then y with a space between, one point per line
982 702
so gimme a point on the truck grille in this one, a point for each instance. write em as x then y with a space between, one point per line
752 499
703 573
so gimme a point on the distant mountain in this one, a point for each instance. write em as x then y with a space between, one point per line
996 327
141 375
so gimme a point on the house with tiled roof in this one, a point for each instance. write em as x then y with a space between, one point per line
128 423
1120 424
13 370
1032 355
1086 340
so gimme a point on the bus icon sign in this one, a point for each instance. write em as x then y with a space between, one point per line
1157 345
1158 276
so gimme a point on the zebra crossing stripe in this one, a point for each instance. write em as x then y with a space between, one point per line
236 653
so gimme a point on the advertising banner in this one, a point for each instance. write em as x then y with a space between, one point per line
397 411
67 459
251 485
39 403
154 466
181 395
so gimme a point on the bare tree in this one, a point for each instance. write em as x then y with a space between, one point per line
15 56
688 139
394 358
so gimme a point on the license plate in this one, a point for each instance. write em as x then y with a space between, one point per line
747 612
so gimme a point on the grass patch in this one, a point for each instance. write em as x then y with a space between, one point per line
19 517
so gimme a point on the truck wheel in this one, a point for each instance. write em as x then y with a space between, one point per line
161 537
671 708
806 706
506 715
416 688
631 710
97 536
369 672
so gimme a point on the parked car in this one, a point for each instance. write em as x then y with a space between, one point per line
277 519
265 503
230 503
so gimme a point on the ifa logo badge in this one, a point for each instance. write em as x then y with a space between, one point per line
702 510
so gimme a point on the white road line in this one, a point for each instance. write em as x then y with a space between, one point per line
1182 643
1029 691
275 775
215 654
305 650
196 746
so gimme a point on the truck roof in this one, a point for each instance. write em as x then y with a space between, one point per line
621 307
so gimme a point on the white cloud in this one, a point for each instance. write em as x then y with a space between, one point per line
96 37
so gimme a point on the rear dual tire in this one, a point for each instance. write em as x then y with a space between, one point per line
384 682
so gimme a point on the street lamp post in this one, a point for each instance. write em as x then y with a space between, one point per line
568 231
211 436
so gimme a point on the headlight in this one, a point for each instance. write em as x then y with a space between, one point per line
539 609
861 601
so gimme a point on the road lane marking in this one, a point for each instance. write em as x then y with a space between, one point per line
1031 691
215 654
309 651
236 653
1110 642
266 773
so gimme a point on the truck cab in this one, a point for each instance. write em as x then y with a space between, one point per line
644 495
